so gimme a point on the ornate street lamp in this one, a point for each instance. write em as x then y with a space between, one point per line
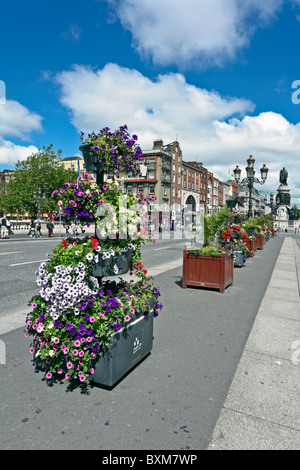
39 197
250 179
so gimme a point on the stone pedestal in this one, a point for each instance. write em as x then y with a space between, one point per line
283 200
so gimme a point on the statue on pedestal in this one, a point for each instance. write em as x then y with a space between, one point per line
283 177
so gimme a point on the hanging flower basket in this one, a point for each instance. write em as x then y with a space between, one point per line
116 150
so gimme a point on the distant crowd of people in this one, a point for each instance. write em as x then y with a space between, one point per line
35 228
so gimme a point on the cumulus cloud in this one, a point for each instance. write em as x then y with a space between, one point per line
16 121
166 105
176 32
10 153
219 131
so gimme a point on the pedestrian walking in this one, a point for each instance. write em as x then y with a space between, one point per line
50 227
8 225
74 228
32 229
4 231
38 228
66 227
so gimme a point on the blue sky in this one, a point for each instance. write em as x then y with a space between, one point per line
217 75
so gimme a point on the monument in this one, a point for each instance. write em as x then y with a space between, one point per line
283 199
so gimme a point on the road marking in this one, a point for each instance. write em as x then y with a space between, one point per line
11 253
28 262
169 246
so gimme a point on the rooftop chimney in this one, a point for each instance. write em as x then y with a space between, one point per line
157 144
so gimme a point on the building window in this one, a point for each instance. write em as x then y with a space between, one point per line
151 174
151 188
140 188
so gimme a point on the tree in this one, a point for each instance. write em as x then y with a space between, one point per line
40 170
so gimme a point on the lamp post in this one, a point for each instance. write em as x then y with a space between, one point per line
39 197
250 179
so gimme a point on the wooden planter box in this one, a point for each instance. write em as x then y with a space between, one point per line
259 242
215 272
251 244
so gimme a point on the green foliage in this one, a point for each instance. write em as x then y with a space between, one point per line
207 250
213 224
40 170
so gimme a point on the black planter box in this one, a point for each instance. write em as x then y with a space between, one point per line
104 267
91 160
238 259
129 347
231 204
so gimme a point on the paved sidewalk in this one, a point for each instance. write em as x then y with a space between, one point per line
261 411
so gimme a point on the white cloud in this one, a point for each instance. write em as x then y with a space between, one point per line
177 32
10 153
219 131
16 121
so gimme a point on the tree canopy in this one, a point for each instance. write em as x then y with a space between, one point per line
42 170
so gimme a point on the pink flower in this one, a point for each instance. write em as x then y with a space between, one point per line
132 310
127 318
75 352
56 340
92 370
69 365
82 378
92 319
77 343
49 375
81 354
67 376
33 305
31 350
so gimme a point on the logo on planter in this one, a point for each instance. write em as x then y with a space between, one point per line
137 344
